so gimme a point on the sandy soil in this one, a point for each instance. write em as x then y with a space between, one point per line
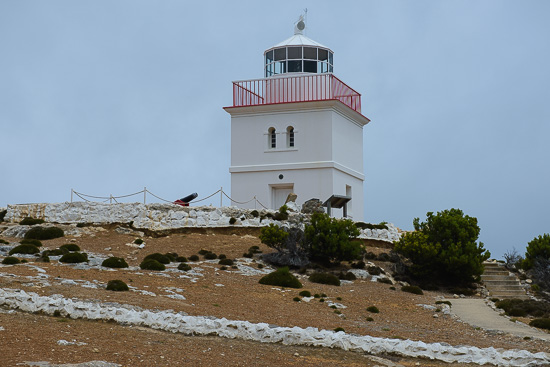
209 291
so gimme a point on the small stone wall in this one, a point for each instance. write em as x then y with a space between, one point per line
158 217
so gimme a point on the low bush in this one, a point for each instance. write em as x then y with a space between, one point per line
3 214
184 267
358 265
71 247
74 257
226 261
464 291
370 256
44 258
232 220
222 256
41 233
203 252
412 289
305 293
249 255
10 260
339 329
370 319
363 225
163 259
373 309
255 250
172 256
260 266
347 276
296 299
4 242
541 323
117 286
443 303
114 262
24 249
138 241
282 214
181 259
324 278
210 256
384 280
518 307
37 243
374 270
193 258
383 257
152 264
255 213
28 221
56 252
282 278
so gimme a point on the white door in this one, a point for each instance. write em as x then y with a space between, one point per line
279 195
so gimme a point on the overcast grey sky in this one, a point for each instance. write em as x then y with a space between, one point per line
108 97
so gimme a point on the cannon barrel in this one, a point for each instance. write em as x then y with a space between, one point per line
188 198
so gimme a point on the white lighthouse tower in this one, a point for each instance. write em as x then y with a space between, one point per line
299 129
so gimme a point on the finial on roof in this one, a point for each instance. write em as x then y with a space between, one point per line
300 25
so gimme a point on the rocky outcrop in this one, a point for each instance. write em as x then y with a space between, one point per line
157 217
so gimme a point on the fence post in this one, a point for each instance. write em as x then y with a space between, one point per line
71 196
110 198
144 194
221 198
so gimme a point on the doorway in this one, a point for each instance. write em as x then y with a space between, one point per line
279 195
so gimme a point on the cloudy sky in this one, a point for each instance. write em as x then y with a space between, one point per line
109 97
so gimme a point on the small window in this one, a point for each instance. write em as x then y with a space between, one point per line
310 53
295 66
290 136
279 67
294 52
269 57
272 138
310 66
323 55
280 54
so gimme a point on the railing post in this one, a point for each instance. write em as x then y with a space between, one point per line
144 194
71 196
221 198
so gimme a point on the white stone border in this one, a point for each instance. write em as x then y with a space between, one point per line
262 332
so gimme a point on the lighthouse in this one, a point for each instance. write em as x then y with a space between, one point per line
299 129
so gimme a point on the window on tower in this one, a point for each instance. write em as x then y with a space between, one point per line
290 137
272 138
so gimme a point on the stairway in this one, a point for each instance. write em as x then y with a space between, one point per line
500 283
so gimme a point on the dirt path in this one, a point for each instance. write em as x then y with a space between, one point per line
478 314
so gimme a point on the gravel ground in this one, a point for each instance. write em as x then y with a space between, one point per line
207 290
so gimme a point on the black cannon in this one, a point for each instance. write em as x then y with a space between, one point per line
185 201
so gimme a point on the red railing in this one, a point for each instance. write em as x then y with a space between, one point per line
300 88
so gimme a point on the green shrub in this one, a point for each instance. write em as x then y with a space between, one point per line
184 267
329 239
138 241
444 248
254 249
464 291
273 236
282 214
37 243
363 225
260 266
193 258
296 299
117 286
226 261
28 221
518 307
541 323
172 256
282 278
358 265
74 257
249 255
114 262
3 214
40 233
181 259
71 247
4 242
412 289
324 278
339 329
44 258
370 256
232 220
152 264
373 309
81 225
383 257
443 302
210 256
223 267
538 247
10 260
374 270
393 288
24 249
305 293
163 259
384 280
203 252
222 256
370 319
347 276
255 213
56 252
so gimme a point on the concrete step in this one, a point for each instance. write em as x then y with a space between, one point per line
498 277
495 272
492 283
498 288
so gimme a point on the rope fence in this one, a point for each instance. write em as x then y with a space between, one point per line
145 191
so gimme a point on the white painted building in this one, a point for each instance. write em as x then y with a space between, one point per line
299 129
